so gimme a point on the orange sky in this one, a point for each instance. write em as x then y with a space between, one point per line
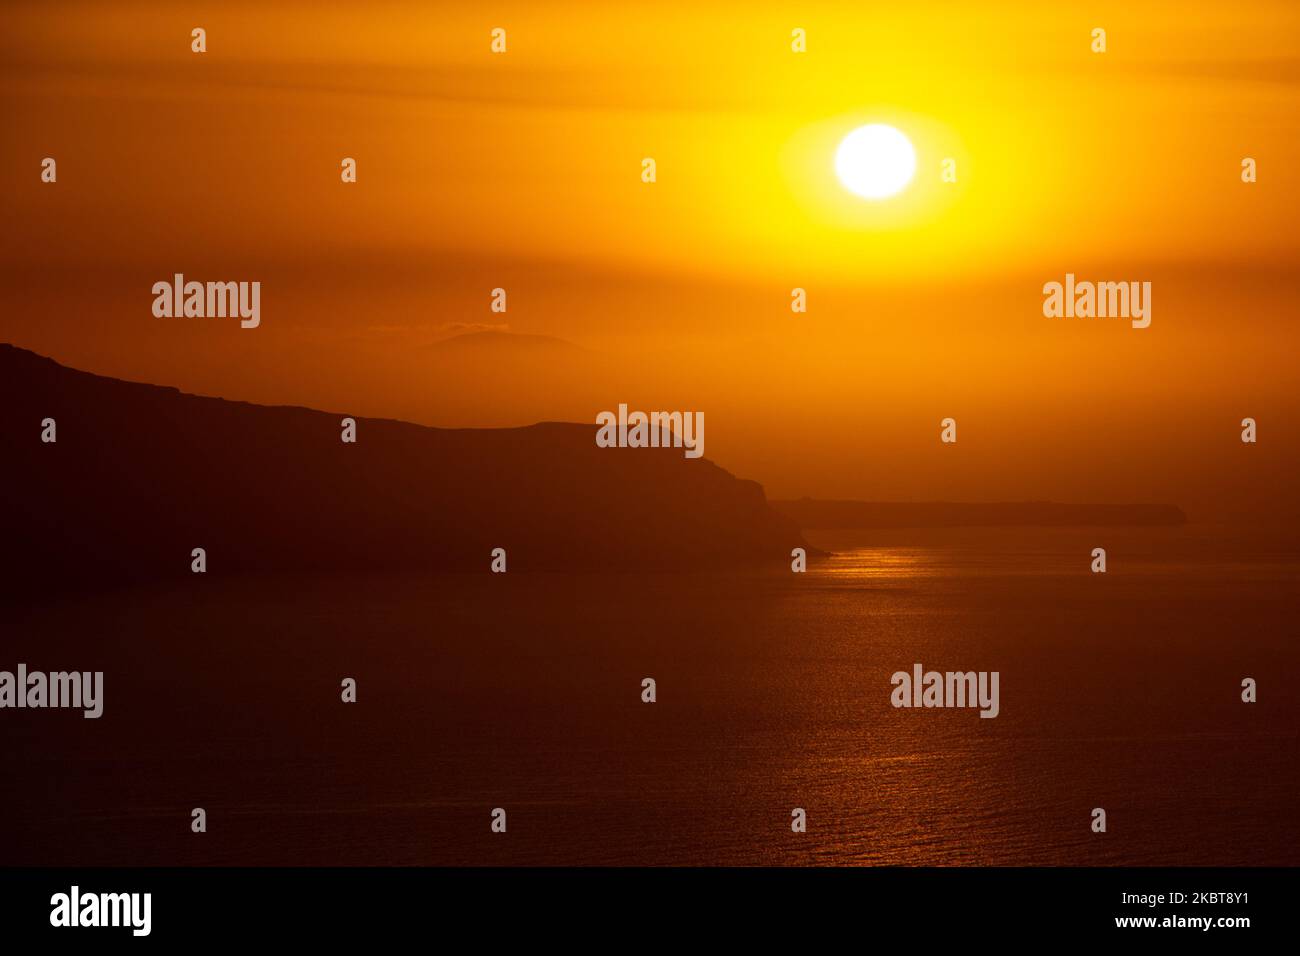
522 171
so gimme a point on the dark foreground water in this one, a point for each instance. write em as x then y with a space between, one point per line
1120 691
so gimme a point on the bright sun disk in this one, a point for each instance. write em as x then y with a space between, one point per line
875 161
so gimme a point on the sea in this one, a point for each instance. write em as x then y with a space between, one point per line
524 692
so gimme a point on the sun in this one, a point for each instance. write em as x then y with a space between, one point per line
875 161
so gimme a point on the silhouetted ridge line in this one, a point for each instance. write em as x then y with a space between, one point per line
142 474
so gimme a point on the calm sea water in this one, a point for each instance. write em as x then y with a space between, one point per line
1119 691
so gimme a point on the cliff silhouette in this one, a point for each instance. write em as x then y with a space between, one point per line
141 474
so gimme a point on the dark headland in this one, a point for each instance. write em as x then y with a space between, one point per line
141 474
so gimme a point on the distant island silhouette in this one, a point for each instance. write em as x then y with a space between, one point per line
142 474
810 514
